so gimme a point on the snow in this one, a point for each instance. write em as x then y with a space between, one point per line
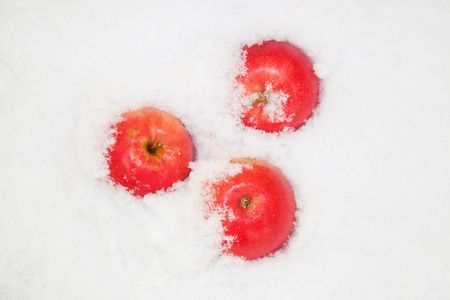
370 169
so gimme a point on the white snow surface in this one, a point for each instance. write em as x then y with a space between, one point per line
370 169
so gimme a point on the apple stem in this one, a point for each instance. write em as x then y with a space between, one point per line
245 202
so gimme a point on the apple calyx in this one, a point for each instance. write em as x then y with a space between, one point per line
245 202
154 149
262 100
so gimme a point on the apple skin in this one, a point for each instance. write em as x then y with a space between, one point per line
151 152
287 70
259 208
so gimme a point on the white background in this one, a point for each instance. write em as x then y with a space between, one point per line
370 169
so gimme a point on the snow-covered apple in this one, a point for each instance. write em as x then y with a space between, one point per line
278 89
151 151
256 207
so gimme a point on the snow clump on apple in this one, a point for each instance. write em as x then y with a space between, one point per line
272 103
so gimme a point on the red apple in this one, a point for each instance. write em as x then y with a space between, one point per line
279 90
257 209
151 152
